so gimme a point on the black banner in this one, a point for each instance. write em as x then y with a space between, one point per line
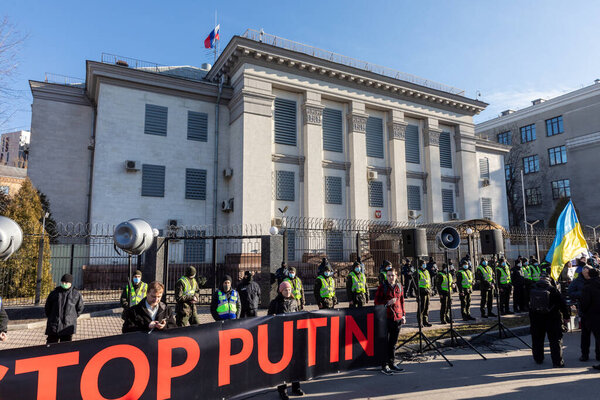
215 360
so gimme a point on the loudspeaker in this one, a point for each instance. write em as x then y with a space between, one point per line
491 241
11 237
134 236
414 242
448 238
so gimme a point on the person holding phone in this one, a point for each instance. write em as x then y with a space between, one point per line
150 314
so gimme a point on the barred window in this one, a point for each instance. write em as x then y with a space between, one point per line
557 155
285 122
448 200
413 194
554 126
531 164
484 168
333 136
561 188
285 186
156 120
445 150
194 250
533 196
153 180
375 194
505 138
412 144
486 208
333 190
195 184
374 137
197 128
291 244
528 133
335 245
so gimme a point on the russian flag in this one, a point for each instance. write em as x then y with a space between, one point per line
209 42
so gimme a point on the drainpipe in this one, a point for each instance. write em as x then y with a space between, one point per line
216 156
91 147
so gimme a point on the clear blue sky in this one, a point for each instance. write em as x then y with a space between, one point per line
510 51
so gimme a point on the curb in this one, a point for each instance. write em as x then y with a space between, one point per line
41 324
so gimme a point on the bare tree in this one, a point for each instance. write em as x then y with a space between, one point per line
10 43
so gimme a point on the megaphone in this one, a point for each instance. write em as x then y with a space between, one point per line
448 238
11 237
134 236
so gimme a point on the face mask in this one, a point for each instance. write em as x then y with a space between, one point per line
136 280
357 270
465 267
422 266
484 263
536 264
65 285
292 275
504 264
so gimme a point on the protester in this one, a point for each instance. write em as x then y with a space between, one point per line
225 302
589 306
383 269
63 306
285 303
324 289
133 292
389 294
150 313
3 322
186 298
356 287
249 295
297 288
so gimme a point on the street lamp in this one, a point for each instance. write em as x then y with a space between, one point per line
470 246
537 250
593 228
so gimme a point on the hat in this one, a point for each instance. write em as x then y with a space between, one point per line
386 264
137 272
283 264
328 268
67 278
292 269
226 278
190 271
283 285
355 264
247 274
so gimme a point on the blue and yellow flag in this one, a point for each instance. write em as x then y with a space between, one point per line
569 242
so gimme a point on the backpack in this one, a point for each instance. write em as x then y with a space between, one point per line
539 301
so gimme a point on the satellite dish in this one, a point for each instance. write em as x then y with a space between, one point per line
134 236
11 237
448 238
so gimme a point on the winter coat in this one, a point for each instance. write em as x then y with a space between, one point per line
557 304
386 292
590 301
282 305
137 318
249 292
62 308
575 290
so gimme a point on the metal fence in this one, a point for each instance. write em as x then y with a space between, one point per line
100 271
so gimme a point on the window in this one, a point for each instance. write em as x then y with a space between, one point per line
557 155
375 194
528 133
195 184
505 137
554 126
291 244
484 168
194 250
285 185
335 245
285 122
561 188
156 120
445 150
533 196
531 164
333 190
507 172
413 197
448 200
412 144
333 135
153 180
486 208
4 190
197 128
374 137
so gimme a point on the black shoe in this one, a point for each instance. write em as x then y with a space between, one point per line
427 324
584 358
298 392
510 312
472 318
396 368
492 314
283 395
443 322
386 370
484 315
467 319
596 366
559 365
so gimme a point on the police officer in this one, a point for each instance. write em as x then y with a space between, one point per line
485 276
408 282
505 285
325 289
518 281
424 282
444 283
546 307
186 298
225 302
535 269
297 289
527 274
249 295
433 270
464 281
133 292
356 286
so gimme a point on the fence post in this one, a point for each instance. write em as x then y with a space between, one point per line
537 249
72 258
40 266
214 264
154 261
271 256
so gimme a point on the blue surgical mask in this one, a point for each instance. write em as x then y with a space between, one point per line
292 275
328 273
357 270
535 264
484 263
137 280
504 264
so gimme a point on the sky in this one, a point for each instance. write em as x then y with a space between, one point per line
507 52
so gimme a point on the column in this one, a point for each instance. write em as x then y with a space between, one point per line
468 170
432 165
314 197
359 189
396 136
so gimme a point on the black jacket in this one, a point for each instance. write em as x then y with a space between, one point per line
557 304
62 308
249 292
3 318
281 305
137 318
590 300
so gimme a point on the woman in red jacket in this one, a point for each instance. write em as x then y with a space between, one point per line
389 293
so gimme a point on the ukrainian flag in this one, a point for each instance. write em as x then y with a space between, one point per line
569 241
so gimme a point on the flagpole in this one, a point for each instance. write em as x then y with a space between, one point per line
525 214
216 41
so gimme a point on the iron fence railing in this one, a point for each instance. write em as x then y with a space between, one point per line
63 80
183 71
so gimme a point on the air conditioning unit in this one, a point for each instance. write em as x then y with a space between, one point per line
485 182
412 214
277 222
131 165
228 173
172 223
454 215
371 175
227 205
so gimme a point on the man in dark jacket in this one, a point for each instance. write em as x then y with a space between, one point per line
186 297
407 274
133 292
285 303
150 313
225 302
324 289
389 294
357 290
547 310
3 322
281 273
518 281
589 307
249 295
433 270
63 306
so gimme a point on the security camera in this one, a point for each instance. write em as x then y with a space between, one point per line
11 237
134 236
